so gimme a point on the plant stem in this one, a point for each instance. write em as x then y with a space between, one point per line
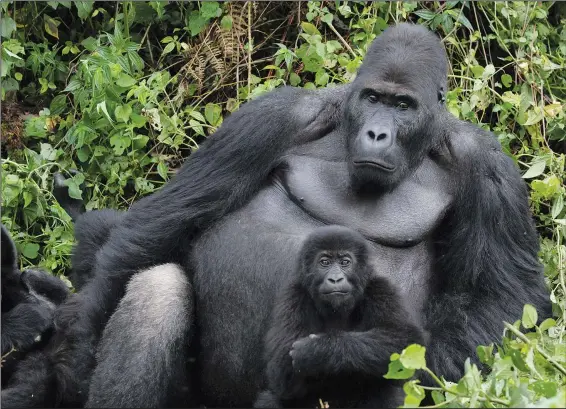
541 351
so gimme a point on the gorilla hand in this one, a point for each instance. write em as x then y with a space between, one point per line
303 355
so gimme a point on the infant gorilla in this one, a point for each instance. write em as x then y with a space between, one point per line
334 328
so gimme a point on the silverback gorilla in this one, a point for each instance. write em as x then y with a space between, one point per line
334 324
444 211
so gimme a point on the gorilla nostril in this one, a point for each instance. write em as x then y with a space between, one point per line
371 135
381 136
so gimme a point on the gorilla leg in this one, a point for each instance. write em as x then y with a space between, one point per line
144 352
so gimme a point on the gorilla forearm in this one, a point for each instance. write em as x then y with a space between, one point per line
366 353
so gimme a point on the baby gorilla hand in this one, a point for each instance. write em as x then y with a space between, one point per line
303 353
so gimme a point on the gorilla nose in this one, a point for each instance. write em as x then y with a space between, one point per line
377 136
335 280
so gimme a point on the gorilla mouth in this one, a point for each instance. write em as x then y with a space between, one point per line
376 164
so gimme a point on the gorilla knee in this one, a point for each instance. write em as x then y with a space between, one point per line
143 353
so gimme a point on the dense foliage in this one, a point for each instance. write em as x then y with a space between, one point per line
121 92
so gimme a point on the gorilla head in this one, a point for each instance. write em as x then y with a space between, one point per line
333 268
392 107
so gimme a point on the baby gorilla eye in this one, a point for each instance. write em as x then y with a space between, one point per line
324 262
345 262
402 105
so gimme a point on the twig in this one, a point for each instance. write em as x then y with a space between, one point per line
342 40
541 351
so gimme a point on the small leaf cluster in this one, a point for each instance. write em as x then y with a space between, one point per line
525 370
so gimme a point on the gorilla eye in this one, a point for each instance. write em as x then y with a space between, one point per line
345 262
373 98
402 105
324 262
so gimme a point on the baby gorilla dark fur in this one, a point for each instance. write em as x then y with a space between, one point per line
333 328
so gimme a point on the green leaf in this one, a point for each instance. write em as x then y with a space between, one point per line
120 142
196 23
546 324
414 394
73 85
425 14
530 316
396 370
485 354
58 104
545 388
507 80
321 78
7 26
84 8
535 170
89 43
83 153
557 206
197 115
74 185
123 112
212 113
309 28
101 106
162 170
138 121
30 250
210 9
51 26
327 18
168 48
413 357
47 152
294 79
125 81
226 23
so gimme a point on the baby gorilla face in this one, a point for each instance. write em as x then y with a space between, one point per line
335 286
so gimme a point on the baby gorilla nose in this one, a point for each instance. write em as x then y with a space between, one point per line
335 280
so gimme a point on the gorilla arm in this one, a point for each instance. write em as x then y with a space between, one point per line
221 176
487 266
293 318
385 328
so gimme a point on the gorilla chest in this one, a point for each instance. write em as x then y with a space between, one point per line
257 245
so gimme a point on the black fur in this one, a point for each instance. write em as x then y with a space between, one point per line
482 248
92 230
335 347
29 299
158 228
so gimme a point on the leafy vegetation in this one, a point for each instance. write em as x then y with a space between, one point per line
122 92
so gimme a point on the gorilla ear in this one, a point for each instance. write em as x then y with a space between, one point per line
8 250
441 96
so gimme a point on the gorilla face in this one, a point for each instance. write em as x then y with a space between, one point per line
391 111
334 269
